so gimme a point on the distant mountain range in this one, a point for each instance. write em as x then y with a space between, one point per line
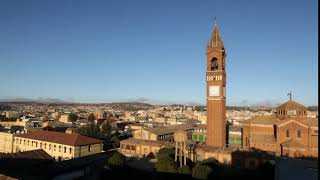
29 100
136 103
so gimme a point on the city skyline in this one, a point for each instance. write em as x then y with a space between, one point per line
122 52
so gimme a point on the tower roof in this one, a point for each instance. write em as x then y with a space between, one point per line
215 38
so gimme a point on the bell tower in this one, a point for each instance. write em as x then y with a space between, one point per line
216 91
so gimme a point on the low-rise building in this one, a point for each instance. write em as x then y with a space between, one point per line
60 146
64 118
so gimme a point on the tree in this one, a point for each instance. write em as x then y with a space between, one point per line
166 165
116 140
201 171
106 129
166 161
91 117
72 117
91 130
184 170
165 153
117 160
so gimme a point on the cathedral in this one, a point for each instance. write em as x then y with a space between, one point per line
289 132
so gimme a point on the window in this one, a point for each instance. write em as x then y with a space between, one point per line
36 144
20 141
45 145
198 158
214 64
299 133
287 133
59 148
49 146
54 147
70 150
28 142
65 150
89 148
24 142
40 145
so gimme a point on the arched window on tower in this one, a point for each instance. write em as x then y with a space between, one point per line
214 64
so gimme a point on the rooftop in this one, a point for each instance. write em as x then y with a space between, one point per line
60 138
291 104
171 129
263 120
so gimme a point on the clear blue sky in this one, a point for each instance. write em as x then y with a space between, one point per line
96 51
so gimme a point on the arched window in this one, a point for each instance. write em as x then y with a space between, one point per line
65 150
127 146
214 64
287 133
299 133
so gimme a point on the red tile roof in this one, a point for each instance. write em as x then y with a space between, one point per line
60 138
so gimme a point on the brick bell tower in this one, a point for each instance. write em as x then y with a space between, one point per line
216 91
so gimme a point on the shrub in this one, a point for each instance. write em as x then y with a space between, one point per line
201 171
165 153
117 160
166 165
184 170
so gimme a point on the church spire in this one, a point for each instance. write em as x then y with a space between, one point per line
215 38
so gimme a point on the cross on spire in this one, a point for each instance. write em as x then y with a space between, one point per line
290 95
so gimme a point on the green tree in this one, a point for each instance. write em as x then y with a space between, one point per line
201 171
117 160
106 129
166 165
184 170
91 130
72 117
116 141
165 153
91 117
166 161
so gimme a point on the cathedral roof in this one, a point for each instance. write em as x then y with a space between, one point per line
273 120
313 122
291 104
215 38
262 120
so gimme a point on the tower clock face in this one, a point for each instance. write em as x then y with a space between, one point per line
214 91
